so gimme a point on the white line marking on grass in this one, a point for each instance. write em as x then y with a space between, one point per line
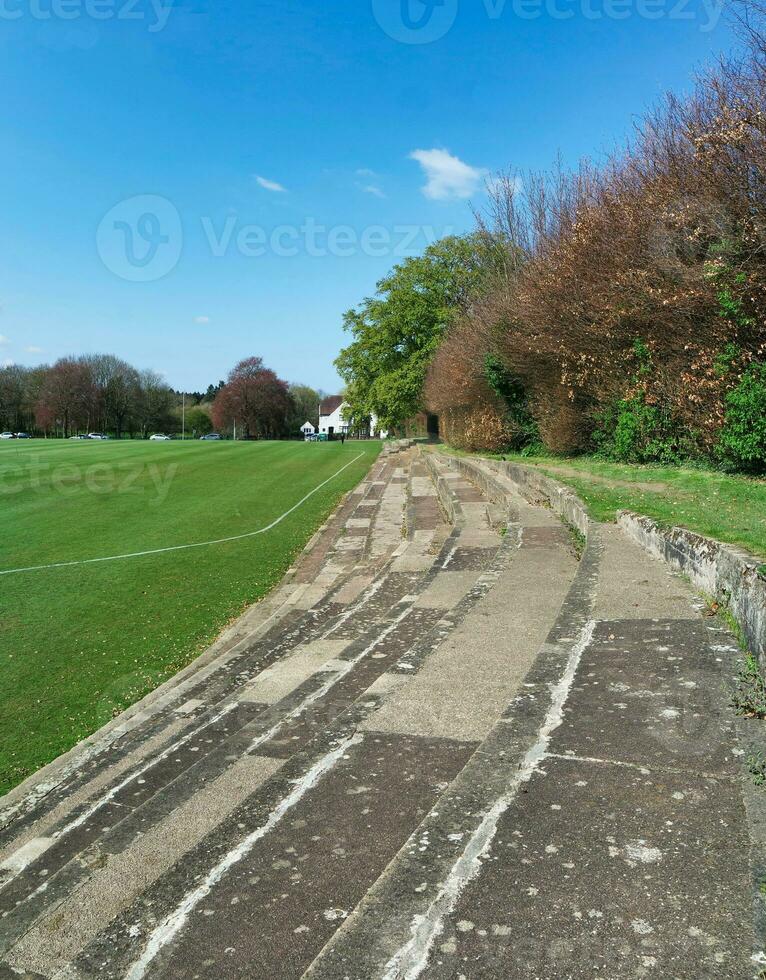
183 547
412 958
172 924
40 791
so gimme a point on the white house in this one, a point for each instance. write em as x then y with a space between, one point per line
334 419
331 419
307 429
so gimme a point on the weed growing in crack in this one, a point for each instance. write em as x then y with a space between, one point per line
756 767
717 607
578 539
749 695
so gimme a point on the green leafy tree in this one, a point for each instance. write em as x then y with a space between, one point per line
640 428
633 431
198 421
154 403
305 408
742 444
396 332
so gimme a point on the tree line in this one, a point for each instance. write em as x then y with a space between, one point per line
103 393
619 308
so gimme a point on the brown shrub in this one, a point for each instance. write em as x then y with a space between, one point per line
665 244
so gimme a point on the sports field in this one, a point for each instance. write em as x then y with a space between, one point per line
80 642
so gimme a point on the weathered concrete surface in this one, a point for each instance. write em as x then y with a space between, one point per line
48 946
539 489
603 871
469 680
436 750
726 573
317 865
634 588
628 854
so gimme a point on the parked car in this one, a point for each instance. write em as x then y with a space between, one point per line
7 435
210 437
23 435
159 437
97 435
78 437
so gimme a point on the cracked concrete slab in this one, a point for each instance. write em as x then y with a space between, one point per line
120 878
652 692
317 864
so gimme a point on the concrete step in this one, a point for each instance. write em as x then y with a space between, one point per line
456 753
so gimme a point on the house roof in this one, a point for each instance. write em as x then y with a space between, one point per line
330 404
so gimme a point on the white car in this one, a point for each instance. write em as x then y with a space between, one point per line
159 437
7 435
97 435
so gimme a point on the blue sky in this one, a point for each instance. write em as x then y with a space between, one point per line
166 145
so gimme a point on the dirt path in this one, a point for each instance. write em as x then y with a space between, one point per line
649 486
437 750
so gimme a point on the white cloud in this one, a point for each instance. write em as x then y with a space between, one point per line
3 340
372 189
6 363
32 349
270 185
446 175
365 172
202 319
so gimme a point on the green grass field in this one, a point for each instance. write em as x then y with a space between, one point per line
729 508
80 643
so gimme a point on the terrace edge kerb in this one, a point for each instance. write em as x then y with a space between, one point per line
728 574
